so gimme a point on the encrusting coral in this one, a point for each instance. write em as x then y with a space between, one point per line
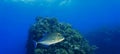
73 43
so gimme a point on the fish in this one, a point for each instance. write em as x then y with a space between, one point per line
50 39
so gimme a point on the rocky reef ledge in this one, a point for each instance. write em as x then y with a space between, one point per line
73 42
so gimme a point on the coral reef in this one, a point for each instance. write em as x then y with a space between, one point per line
74 43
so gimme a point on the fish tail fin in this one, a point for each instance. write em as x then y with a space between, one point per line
35 43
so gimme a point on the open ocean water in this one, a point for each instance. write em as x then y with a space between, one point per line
97 20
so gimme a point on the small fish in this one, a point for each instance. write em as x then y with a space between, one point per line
50 39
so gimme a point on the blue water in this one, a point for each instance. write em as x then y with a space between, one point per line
16 16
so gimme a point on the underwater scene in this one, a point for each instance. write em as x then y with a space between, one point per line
59 26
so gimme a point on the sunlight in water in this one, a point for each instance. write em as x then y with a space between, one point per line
43 2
